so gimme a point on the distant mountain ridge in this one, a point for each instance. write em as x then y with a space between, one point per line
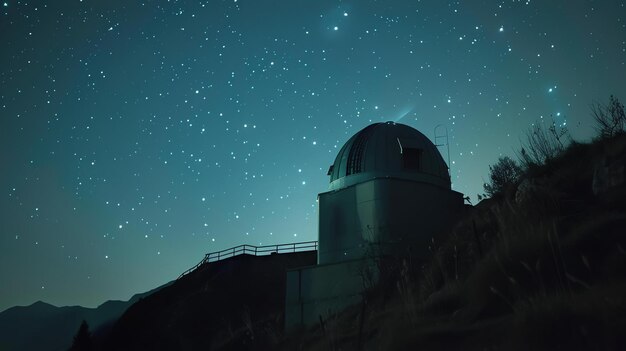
42 326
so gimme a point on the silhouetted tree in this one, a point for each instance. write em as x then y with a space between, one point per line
610 119
82 339
501 175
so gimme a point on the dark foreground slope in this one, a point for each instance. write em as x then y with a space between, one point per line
232 304
541 266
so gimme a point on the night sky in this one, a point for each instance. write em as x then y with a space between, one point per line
137 136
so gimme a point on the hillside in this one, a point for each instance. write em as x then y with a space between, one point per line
540 266
233 304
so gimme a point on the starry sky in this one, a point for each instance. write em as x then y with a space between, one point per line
136 136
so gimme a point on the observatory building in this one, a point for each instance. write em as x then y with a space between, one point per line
389 194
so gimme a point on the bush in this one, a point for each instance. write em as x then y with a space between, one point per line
502 175
610 119
543 144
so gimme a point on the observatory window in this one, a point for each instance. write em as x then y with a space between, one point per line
412 159
330 170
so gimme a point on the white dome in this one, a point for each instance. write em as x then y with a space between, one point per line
388 150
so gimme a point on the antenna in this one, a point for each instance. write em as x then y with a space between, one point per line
446 143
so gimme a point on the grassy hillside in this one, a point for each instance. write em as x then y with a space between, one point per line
540 266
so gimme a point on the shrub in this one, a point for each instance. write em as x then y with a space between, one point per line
543 144
502 175
610 119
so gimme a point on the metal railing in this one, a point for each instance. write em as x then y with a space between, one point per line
253 250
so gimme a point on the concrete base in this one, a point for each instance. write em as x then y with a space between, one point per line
323 290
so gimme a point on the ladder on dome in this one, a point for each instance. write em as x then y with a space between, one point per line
444 137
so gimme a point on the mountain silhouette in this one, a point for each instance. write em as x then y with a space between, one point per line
42 326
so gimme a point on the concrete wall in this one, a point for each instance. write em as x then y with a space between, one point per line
322 290
393 214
